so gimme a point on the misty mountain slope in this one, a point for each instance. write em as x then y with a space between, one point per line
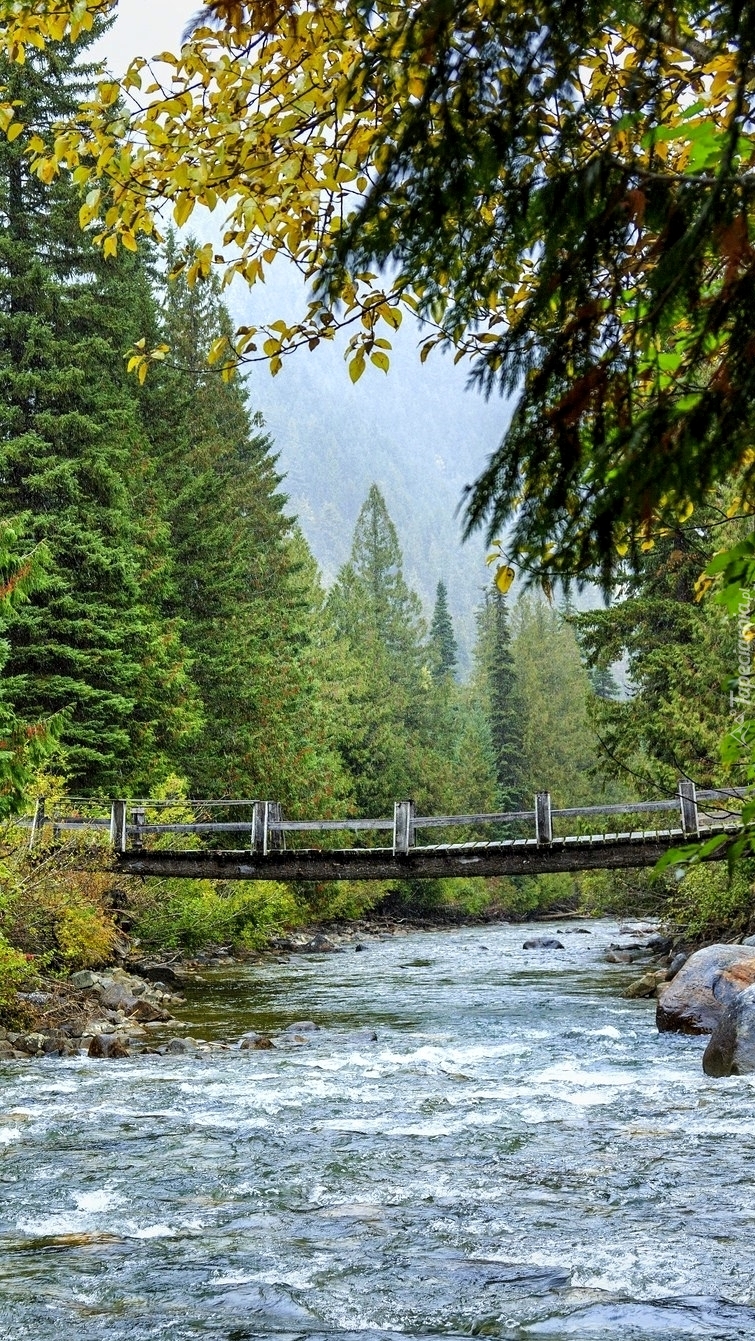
416 432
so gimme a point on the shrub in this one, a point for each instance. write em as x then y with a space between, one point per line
16 972
711 901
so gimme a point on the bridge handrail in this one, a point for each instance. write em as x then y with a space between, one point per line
266 826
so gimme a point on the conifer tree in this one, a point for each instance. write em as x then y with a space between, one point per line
75 463
380 620
443 645
502 697
24 746
247 590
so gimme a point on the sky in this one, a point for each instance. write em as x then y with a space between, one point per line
434 436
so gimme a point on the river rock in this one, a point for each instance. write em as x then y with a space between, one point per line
646 985
184 1047
543 943
700 992
84 979
731 1050
117 996
146 1012
107 1045
660 945
255 1042
158 973
676 964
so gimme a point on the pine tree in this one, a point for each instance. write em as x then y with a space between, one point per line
380 620
443 646
504 707
558 746
75 463
24 746
247 590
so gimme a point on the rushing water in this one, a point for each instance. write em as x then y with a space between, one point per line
518 1155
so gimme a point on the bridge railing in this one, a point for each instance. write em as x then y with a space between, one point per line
262 828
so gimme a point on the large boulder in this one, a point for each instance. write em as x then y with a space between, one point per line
731 1050
711 980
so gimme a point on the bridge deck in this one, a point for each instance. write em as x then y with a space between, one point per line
519 856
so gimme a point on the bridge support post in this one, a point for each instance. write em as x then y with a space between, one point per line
259 828
403 826
543 819
38 823
118 826
688 806
140 815
276 841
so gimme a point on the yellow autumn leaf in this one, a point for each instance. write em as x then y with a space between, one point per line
504 577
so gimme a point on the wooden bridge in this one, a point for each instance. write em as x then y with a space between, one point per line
520 842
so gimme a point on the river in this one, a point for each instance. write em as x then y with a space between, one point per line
518 1155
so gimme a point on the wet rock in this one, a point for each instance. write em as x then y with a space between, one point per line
700 992
107 1045
359 947
162 973
7 1050
660 945
183 1047
543 943
32 1044
731 1050
146 1012
302 1027
255 1042
676 964
645 986
318 945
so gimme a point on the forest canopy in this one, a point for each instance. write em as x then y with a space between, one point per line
561 193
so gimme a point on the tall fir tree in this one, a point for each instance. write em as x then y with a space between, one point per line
443 646
502 697
247 591
680 653
75 462
380 620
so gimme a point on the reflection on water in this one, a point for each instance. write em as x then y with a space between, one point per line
519 1154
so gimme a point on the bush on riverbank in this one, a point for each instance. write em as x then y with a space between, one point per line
190 914
711 902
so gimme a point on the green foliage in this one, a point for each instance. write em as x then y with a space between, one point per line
16 973
712 900
91 642
247 592
23 746
189 914
558 746
55 913
680 653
